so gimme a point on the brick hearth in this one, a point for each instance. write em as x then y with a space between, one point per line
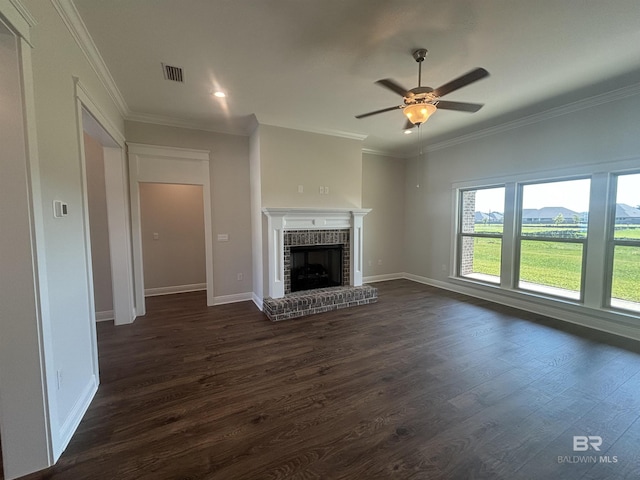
308 302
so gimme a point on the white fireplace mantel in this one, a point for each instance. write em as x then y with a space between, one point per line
280 220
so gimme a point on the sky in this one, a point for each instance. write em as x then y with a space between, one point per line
572 194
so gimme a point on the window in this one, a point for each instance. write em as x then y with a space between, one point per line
480 233
625 244
552 237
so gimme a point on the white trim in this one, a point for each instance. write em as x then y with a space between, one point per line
74 23
104 316
383 278
162 151
257 300
235 298
87 254
119 226
322 131
155 292
77 412
18 17
85 97
613 95
385 153
24 13
614 323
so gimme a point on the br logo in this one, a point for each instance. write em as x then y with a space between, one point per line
582 443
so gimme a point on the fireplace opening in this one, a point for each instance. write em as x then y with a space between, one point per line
317 266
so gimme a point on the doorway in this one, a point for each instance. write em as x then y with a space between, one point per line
167 165
173 239
106 196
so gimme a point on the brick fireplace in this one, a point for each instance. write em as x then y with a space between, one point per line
293 227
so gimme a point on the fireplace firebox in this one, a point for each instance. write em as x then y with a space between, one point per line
316 266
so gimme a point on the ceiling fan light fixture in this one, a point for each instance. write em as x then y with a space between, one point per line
418 113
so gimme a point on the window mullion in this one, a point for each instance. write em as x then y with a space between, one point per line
509 263
595 267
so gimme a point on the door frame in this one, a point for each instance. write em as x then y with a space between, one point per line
162 164
116 191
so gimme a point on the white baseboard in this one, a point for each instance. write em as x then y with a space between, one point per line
571 313
384 278
105 316
194 287
257 301
237 297
78 411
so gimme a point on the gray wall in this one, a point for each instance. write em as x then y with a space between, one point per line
64 339
603 133
97 204
176 256
289 158
383 180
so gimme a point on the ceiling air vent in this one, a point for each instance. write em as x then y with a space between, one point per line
173 73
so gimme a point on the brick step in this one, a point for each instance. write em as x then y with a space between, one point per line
309 302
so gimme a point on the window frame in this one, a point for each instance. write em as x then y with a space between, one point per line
461 234
612 242
519 214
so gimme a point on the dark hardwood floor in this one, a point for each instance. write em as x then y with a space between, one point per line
425 384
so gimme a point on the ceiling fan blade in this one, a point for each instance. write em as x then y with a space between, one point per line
459 106
408 125
379 111
463 81
393 86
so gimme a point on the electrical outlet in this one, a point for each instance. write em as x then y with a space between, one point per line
300 188
240 277
321 189
326 190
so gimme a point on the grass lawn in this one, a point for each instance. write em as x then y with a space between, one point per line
626 273
559 264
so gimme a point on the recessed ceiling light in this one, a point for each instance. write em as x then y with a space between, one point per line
219 94
408 131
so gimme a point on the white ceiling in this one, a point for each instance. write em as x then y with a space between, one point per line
312 64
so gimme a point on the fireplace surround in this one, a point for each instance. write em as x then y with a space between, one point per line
307 226
294 227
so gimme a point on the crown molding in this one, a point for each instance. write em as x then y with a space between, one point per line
168 121
322 131
76 26
335 133
386 153
594 101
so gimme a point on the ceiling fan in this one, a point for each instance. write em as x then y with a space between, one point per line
421 102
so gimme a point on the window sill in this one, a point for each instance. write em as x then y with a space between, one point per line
521 297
